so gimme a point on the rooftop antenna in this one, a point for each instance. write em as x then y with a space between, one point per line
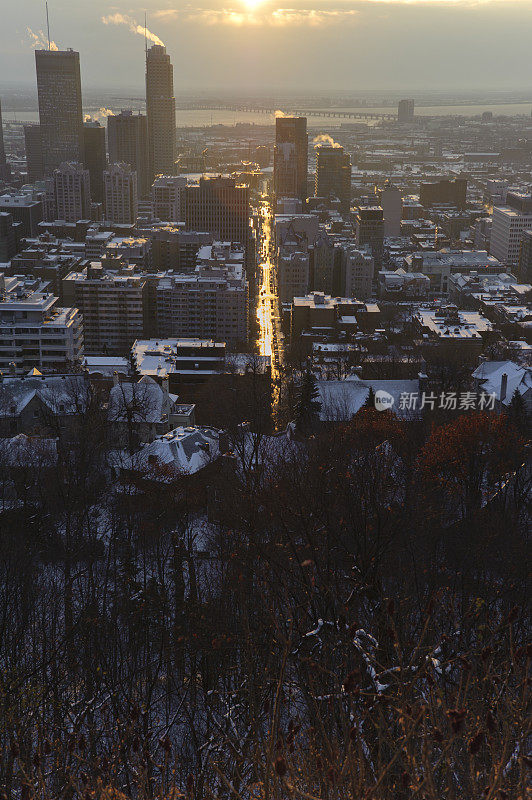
48 25
145 37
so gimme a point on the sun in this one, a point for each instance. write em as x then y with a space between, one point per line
252 4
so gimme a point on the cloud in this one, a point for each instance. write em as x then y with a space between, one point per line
132 24
277 17
39 41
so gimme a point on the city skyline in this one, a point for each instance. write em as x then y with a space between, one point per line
366 44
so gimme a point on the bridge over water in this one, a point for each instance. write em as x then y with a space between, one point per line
297 112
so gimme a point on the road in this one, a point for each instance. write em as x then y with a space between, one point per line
270 338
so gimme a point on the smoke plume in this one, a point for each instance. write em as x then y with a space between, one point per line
99 115
39 40
132 24
324 138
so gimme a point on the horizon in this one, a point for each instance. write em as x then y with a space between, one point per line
262 46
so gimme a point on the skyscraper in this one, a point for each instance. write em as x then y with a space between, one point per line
5 172
405 111
94 157
60 110
160 107
127 135
121 203
290 158
333 174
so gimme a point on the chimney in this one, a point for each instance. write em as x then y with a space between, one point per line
115 378
504 386
166 396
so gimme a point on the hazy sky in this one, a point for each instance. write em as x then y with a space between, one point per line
297 44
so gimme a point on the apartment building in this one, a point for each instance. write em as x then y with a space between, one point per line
112 304
34 330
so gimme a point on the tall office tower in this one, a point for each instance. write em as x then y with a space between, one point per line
333 174
220 206
369 230
94 157
127 135
405 111
392 209
121 198
33 145
160 108
168 197
290 157
5 171
60 112
72 192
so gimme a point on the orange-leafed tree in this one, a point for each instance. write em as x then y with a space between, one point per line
466 462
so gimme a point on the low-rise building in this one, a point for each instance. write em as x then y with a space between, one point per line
440 265
182 360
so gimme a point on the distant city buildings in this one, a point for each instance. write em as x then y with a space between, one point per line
60 107
290 159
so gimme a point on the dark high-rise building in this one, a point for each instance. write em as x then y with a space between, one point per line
94 157
5 172
525 258
405 111
290 157
333 174
452 191
33 144
127 135
60 110
160 109
10 235
369 230
221 207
